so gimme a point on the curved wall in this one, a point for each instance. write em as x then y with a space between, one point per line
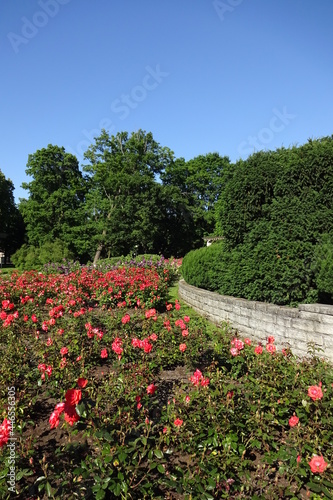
291 327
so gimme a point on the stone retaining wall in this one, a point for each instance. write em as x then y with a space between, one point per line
291 327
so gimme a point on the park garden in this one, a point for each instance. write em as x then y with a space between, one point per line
110 386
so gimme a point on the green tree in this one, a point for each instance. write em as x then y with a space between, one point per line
54 209
195 186
123 202
11 223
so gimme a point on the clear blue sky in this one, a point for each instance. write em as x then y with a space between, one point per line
232 76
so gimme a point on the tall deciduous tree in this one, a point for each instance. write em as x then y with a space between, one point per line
123 202
196 186
11 223
56 194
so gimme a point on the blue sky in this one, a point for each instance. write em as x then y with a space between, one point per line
231 76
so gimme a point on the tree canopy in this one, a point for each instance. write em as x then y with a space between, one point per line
133 196
53 209
11 223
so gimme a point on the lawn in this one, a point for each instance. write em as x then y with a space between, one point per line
115 389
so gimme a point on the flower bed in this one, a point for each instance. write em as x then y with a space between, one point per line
115 391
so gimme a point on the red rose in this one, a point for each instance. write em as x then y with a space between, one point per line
315 392
73 396
258 349
317 464
125 319
178 422
270 348
70 414
293 421
151 389
54 420
82 382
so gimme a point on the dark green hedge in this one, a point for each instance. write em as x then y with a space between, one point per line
276 216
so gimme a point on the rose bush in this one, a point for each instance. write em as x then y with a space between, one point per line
110 401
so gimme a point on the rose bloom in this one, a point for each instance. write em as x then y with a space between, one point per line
150 313
187 319
270 340
315 392
204 382
70 414
182 347
147 347
73 396
59 408
54 420
184 333
258 349
247 341
125 319
270 348
187 399
196 377
82 382
63 351
317 464
5 429
177 306
151 389
178 422
293 421
104 353
238 344
234 351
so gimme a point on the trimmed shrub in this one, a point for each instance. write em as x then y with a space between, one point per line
276 216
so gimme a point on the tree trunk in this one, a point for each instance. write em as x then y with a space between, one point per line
98 254
99 250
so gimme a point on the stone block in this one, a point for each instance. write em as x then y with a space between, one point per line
303 324
317 308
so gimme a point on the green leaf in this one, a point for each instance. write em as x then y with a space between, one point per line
158 453
81 410
100 494
161 469
49 489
